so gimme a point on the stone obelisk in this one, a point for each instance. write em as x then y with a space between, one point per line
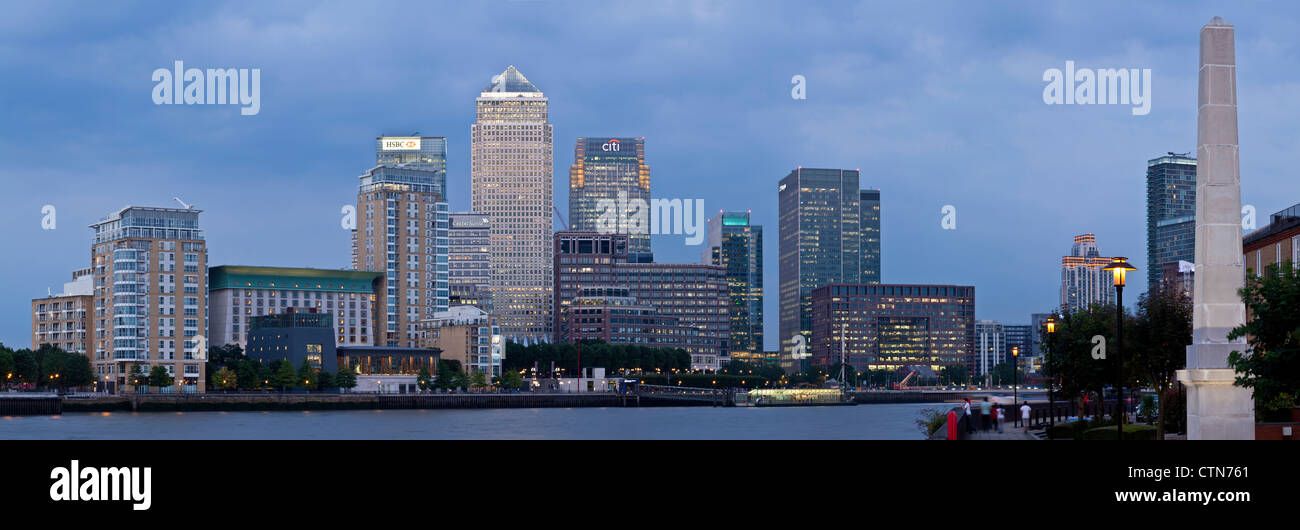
1216 409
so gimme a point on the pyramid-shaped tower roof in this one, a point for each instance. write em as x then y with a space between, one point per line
511 80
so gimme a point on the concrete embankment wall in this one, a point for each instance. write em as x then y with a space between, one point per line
30 405
261 402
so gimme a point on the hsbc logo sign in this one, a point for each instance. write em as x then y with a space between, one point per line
611 145
400 144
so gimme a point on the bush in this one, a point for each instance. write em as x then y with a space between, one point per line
1131 432
1175 404
1074 430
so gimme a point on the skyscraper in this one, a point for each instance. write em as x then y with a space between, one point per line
511 182
820 240
737 246
142 303
611 169
990 346
402 232
869 200
1083 283
418 152
1171 214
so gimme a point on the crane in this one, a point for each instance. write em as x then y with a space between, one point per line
182 203
563 223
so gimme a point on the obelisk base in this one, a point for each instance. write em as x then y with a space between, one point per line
1216 408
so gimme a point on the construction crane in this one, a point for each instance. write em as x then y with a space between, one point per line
564 224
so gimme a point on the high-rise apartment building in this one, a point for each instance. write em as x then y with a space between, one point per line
237 295
614 170
737 245
888 327
696 295
402 232
511 148
417 152
150 295
63 320
821 240
1083 282
1171 214
469 268
990 346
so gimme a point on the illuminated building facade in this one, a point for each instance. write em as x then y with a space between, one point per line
611 169
1083 282
469 268
239 294
1171 214
511 181
887 327
737 246
150 292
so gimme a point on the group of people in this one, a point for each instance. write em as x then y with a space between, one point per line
992 416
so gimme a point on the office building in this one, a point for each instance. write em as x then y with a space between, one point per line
511 170
1083 283
402 223
1277 243
821 240
239 294
296 335
468 335
888 327
63 320
388 369
417 152
696 295
612 170
1171 214
1019 336
469 269
149 268
737 246
613 316
869 224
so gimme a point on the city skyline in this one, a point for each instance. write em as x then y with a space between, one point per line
239 169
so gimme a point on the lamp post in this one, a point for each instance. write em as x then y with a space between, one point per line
1015 382
1051 379
1119 268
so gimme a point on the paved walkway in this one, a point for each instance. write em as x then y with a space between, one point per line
1010 431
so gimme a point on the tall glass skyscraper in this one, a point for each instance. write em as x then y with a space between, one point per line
737 245
869 200
418 152
613 169
1171 213
511 179
821 240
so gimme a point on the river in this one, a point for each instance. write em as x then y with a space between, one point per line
862 422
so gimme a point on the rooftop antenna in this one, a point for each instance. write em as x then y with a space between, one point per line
182 203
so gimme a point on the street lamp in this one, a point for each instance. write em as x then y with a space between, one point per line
1015 382
1051 381
1119 268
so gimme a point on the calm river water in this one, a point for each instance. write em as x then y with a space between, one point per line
874 422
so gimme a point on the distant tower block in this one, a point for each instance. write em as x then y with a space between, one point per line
1216 409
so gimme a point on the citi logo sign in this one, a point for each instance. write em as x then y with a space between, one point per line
611 145
130 484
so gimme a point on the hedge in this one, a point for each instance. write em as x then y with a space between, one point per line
1131 432
1074 430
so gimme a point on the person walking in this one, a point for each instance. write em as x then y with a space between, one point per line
970 420
1024 416
1002 418
986 410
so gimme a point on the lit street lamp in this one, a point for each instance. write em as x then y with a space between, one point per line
1015 382
1051 381
1119 268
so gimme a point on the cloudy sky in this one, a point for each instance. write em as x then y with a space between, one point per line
937 103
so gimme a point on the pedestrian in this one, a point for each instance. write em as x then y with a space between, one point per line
970 421
986 410
1024 416
1002 417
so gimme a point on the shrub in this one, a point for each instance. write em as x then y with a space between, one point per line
1074 430
1175 404
1131 432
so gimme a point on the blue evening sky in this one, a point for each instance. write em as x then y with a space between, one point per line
938 103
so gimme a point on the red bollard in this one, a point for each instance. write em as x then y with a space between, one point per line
952 425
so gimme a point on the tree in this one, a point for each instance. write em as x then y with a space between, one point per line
247 377
306 376
1073 345
26 370
850 374
285 376
1270 366
511 380
346 379
447 377
225 379
957 374
6 366
77 371
1161 335
478 380
424 380
138 377
324 380
159 377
